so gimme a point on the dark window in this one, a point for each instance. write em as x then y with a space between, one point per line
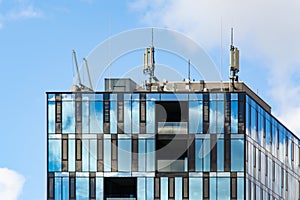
120 187
72 187
92 187
78 149
51 187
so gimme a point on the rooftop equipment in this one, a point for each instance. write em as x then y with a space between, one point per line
234 62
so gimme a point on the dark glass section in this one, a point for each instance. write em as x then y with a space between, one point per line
120 187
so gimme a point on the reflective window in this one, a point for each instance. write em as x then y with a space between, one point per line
51 117
141 155
213 188
240 188
178 188
99 188
223 188
124 155
220 155
216 117
54 155
127 116
237 155
135 113
234 117
198 155
195 189
96 117
206 155
82 188
113 117
141 188
68 117
150 166
107 155
93 155
150 118
58 188
164 188
89 155
195 116
65 188
71 156
150 188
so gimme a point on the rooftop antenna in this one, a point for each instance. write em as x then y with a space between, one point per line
80 86
149 62
234 63
76 65
88 72
221 58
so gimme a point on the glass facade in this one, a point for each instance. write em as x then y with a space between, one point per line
178 146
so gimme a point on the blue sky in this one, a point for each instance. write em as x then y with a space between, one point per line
37 38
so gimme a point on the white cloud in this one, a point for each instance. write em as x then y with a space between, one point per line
27 12
11 184
265 30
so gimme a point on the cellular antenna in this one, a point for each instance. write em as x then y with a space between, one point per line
234 63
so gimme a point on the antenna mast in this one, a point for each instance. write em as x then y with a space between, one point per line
234 63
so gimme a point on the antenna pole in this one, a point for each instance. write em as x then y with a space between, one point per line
189 75
76 65
152 37
88 72
231 46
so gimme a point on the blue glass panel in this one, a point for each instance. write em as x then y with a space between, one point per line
220 155
206 155
67 97
150 188
195 97
124 155
99 188
237 155
213 188
113 97
150 166
141 155
127 116
234 117
223 188
71 155
107 155
135 97
113 117
178 188
195 189
65 188
85 116
51 97
174 97
135 112
195 116
54 155
68 117
82 188
85 155
240 188
153 97
58 192
253 123
150 116
164 188
93 155
141 188
216 117
51 117
198 156
96 117
234 96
